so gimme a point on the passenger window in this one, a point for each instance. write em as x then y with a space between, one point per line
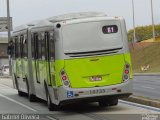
14 54
25 47
21 46
43 46
52 46
32 46
18 47
39 42
46 44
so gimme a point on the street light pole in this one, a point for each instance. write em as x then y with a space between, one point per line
134 28
153 27
9 34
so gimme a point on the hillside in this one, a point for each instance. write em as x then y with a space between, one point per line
146 54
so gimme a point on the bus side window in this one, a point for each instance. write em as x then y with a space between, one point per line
35 46
46 46
39 43
18 47
21 46
32 46
43 47
14 51
51 47
25 47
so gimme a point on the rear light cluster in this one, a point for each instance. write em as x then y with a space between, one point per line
126 73
64 78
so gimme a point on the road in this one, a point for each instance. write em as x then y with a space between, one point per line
147 86
10 102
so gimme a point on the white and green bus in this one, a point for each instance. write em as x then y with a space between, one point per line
82 57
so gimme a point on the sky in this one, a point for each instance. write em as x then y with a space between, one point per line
25 11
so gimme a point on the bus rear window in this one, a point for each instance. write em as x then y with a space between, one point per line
76 39
110 29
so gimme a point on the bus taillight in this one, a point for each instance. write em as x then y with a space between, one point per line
64 78
126 73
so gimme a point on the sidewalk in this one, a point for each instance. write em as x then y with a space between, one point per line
6 81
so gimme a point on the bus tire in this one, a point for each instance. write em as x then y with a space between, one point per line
103 103
113 102
21 93
31 97
51 106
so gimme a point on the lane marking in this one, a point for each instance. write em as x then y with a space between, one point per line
140 105
148 87
23 105
51 118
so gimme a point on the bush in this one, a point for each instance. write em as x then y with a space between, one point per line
143 32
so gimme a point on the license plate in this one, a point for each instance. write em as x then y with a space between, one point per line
97 91
95 78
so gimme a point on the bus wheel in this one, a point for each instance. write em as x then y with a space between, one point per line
32 98
21 93
103 103
113 102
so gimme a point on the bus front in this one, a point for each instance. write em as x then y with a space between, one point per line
96 64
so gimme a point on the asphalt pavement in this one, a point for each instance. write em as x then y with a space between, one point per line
10 102
147 86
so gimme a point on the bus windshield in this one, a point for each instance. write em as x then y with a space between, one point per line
92 36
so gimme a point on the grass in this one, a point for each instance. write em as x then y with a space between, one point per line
146 53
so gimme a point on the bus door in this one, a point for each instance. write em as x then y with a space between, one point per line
24 56
50 58
18 59
40 64
35 65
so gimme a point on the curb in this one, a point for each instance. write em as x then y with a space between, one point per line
7 77
146 74
144 101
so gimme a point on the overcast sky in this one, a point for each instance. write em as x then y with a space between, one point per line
24 11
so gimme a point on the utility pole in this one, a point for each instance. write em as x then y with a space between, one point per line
134 28
9 34
152 14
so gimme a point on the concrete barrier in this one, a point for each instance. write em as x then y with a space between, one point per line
144 101
146 74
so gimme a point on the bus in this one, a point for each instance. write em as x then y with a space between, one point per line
80 57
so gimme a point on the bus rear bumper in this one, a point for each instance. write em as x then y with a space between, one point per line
70 95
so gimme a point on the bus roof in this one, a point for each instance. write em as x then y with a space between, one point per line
26 26
45 24
48 24
71 16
